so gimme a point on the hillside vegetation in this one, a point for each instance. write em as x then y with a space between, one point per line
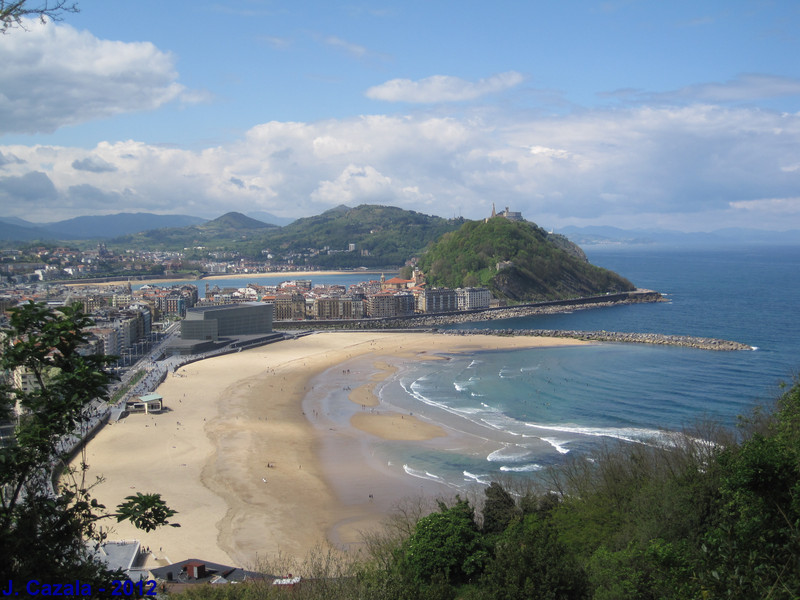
382 236
515 260
386 234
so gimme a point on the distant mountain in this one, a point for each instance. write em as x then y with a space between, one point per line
18 221
266 217
516 260
602 235
94 227
24 233
234 221
109 226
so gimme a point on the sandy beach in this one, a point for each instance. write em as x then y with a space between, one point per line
236 455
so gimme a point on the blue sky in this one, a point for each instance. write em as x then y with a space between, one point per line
679 115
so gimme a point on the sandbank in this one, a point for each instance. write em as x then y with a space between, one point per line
237 457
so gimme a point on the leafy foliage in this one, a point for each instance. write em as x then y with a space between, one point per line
445 547
499 509
516 260
44 528
531 562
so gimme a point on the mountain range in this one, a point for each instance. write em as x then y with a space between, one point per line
106 227
99 227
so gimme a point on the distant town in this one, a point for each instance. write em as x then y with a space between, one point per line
128 321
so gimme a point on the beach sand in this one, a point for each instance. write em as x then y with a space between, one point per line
237 457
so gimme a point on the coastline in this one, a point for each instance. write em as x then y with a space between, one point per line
246 453
175 280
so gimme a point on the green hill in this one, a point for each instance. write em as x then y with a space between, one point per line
518 261
382 235
233 221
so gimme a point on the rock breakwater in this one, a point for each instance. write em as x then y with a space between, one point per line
684 341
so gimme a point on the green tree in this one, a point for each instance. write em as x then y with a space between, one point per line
499 509
753 548
531 562
47 529
445 546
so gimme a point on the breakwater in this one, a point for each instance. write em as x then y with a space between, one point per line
684 341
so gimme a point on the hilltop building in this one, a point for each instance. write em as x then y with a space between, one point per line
507 214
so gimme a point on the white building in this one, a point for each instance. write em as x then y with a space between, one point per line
473 298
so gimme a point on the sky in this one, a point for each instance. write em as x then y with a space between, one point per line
680 115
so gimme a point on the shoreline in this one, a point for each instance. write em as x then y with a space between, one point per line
250 469
102 281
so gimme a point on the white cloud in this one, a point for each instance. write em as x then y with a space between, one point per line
700 165
54 75
771 205
745 88
350 48
442 88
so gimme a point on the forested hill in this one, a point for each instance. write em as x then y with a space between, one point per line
382 235
518 261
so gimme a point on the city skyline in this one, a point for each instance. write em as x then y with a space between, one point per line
634 114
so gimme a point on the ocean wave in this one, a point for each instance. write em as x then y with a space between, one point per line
482 479
509 454
626 434
499 423
421 474
523 468
557 444
464 411
459 387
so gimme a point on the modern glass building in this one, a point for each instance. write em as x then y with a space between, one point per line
213 322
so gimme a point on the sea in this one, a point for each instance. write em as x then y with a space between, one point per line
518 413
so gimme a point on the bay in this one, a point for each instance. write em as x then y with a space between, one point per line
518 412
